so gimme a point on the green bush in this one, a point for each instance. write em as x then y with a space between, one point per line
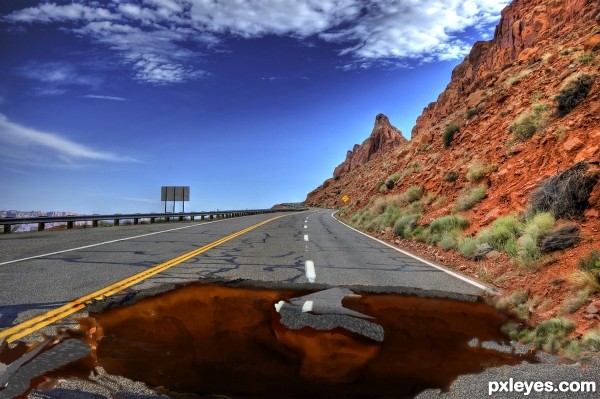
503 234
467 247
387 218
591 261
414 193
448 240
591 340
404 225
468 200
449 133
530 122
451 176
552 335
574 91
471 112
448 223
541 223
528 250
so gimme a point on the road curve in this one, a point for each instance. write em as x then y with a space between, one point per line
41 271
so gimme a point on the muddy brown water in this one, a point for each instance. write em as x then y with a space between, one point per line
219 340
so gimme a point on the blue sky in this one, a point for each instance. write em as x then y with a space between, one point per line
250 103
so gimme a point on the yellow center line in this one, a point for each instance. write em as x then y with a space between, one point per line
27 327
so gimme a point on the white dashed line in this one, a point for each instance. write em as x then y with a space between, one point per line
307 306
305 226
311 275
305 237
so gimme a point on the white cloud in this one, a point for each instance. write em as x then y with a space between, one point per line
25 145
50 12
100 97
255 18
414 29
160 39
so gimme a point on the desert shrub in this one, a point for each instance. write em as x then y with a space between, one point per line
587 57
503 234
511 80
540 224
591 340
478 171
378 206
451 176
382 187
468 200
588 275
387 218
444 228
467 246
448 240
574 303
565 195
449 133
414 193
574 91
361 219
391 181
591 261
551 335
471 112
528 249
530 122
404 225
448 223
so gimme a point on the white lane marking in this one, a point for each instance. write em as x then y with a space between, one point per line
305 226
279 305
305 237
450 272
311 275
307 306
107 242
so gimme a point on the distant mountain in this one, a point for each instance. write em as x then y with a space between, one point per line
32 214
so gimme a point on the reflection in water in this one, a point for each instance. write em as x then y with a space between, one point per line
213 339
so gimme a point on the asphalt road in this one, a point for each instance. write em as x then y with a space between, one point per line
40 271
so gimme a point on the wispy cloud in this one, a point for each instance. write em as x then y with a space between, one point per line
162 40
24 145
99 97
55 78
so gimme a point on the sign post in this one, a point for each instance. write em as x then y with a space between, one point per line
175 193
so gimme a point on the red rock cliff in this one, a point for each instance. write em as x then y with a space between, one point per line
384 137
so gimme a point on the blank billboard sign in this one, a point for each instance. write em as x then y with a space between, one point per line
175 193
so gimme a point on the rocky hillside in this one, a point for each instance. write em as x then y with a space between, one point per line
505 161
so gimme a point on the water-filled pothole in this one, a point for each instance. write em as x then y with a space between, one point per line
215 339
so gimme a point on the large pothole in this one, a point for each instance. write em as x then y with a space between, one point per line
234 341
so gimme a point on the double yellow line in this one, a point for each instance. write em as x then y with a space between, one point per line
34 324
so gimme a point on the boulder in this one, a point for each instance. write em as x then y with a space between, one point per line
564 237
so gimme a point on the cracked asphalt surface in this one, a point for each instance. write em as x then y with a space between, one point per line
275 253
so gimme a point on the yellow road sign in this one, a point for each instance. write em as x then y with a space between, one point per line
345 198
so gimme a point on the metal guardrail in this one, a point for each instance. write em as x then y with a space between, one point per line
136 217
